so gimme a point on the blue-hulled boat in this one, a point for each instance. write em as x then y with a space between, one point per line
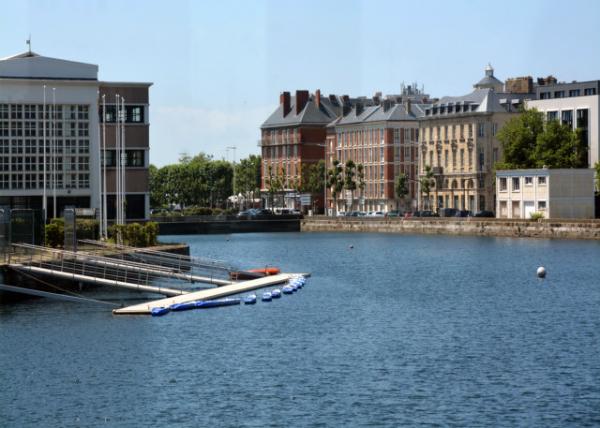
183 306
276 293
160 311
266 297
216 303
250 299
287 289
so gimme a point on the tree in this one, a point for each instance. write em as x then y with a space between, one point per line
597 169
275 183
247 177
349 182
528 142
360 168
401 187
335 181
313 176
426 183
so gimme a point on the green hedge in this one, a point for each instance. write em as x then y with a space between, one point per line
135 234
54 232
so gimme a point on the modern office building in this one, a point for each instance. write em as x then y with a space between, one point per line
382 136
457 139
554 193
575 104
51 136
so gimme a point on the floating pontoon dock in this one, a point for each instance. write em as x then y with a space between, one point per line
214 293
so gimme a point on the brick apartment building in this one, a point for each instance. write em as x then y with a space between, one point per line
382 136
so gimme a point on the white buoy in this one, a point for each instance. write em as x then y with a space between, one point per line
541 272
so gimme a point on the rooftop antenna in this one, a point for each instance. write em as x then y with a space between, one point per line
28 41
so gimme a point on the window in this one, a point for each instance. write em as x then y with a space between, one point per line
551 115
542 181
559 94
502 184
494 129
567 117
544 95
481 130
528 181
574 92
541 205
589 91
516 184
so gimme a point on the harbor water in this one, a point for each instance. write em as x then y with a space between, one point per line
390 330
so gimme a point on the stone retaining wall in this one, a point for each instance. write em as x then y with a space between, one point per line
570 229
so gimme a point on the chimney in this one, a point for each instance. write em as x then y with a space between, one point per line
318 98
387 103
301 100
359 108
284 100
407 105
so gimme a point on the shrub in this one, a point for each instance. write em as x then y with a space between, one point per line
54 234
134 234
151 231
537 215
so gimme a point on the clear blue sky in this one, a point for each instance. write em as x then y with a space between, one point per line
218 66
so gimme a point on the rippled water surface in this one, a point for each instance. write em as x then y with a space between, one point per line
396 331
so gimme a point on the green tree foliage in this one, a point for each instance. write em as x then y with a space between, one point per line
197 180
426 182
349 179
313 178
335 179
247 177
597 169
401 186
528 142
274 183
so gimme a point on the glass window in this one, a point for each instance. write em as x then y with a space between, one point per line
528 181
551 115
559 94
541 205
541 181
502 184
589 91
516 184
574 92
567 117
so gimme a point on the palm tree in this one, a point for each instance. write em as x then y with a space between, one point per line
335 182
361 179
349 183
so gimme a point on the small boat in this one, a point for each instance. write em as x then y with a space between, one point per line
287 289
250 299
254 273
276 293
160 311
216 303
183 306
266 297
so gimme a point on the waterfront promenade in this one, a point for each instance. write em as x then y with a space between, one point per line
470 226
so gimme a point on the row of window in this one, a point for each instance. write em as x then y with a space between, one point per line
36 181
546 95
36 111
35 129
37 146
33 163
516 183
452 132
131 114
133 158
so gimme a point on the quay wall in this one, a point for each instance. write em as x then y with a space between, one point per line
566 229
227 226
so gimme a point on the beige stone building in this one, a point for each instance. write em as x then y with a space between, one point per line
554 193
458 140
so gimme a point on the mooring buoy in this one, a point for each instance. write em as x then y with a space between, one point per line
541 272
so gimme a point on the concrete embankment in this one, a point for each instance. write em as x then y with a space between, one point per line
567 229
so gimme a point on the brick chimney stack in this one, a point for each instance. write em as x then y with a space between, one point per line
284 100
318 98
301 100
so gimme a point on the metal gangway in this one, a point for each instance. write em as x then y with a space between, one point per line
178 262
102 270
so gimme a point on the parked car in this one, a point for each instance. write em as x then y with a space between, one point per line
462 213
341 214
426 213
448 212
377 214
262 213
394 213
408 214
485 213
246 214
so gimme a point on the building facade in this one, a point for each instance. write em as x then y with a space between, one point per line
381 136
458 141
50 141
554 193
293 138
576 105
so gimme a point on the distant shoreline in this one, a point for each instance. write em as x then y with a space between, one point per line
559 229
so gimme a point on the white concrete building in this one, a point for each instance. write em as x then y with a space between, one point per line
555 193
576 104
64 131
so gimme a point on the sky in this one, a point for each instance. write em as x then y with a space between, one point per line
218 67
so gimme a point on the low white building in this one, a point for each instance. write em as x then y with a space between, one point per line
555 193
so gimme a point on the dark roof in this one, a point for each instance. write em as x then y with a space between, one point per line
310 114
377 113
